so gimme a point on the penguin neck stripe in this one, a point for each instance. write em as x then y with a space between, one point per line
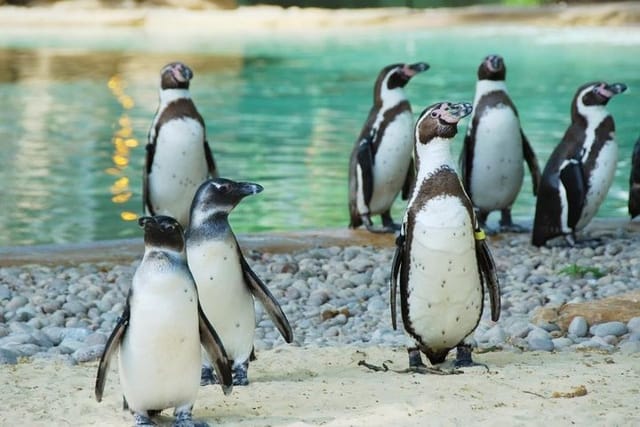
170 95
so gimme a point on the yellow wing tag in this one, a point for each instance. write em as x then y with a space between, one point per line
479 234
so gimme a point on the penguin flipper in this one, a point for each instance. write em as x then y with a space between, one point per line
214 348
268 301
409 180
211 162
398 256
146 203
364 157
574 183
466 161
488 275
532 162
113 343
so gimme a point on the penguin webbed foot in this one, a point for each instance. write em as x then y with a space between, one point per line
416 366
464 359
143 419
240 374
207 376
184 418
508 226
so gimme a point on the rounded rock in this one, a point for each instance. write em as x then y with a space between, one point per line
578 327
609 328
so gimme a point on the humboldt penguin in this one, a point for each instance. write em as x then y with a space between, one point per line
160 333
634 182
581 168
381 164
226 283
495 147
442 262
178 156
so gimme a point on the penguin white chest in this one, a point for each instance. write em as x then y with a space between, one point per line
498 169
392 161
224 295
160 355
179 167
444 288
599 182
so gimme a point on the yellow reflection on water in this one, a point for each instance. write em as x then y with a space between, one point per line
123 142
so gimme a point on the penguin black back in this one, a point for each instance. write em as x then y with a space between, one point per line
634 182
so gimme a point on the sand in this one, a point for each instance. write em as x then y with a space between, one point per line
294 386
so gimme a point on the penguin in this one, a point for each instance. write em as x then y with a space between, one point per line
226 283
160 333
178 155
634 182
581 168
494 148
381 165
442 261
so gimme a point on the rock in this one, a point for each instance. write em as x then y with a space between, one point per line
620 308
87 354
5 293
8 357
562 343
16 302
630 347
610 328
318 297
634 324
578 327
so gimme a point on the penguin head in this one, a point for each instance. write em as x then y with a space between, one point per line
162 232
597 93
175 75
440 121
217 197
396 76
492 68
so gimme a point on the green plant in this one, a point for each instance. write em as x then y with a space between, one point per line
575 270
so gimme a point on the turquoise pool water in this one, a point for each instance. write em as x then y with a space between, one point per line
281 110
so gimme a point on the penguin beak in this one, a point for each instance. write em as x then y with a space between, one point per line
494 62
455 112
182 73
413 69
244 189
616 88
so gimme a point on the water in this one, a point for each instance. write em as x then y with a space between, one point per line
281 111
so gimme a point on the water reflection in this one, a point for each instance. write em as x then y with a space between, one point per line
123 142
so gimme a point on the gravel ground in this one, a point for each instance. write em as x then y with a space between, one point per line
335 296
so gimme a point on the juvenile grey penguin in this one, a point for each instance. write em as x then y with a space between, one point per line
581 168
381 164
442 261
634 182
160 333
178 156
226 283
495 148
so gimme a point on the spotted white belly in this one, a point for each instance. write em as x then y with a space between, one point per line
498 168
445 293
160 354
179 167
391 164
599 183
224 296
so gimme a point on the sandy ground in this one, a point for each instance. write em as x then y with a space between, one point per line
292 386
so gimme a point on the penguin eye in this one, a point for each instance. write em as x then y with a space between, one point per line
435 114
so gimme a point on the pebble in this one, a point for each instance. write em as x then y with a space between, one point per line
332 296
578 327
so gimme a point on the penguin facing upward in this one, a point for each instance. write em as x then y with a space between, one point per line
381 165
581 168
226 284
491 160
178 156
160 333
442 261
634 182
